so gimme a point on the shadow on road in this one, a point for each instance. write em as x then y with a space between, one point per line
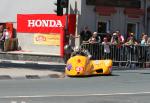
92 76
53 67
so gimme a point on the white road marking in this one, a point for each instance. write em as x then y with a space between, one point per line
82 95
18 102
13 101
23 102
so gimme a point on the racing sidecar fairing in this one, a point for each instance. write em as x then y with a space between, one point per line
82 66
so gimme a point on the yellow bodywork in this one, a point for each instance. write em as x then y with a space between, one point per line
81 65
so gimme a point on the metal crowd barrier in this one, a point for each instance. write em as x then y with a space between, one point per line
124 56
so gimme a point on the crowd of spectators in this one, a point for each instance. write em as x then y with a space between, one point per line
118 40
86 36
113 46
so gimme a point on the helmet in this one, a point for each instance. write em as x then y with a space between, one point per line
66 47
76 48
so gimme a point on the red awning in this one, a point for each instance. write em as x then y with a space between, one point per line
105 11
134 12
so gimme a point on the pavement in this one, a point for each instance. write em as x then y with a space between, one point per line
31 56
30 65
14 69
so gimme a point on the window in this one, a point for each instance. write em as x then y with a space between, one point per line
90 2
103 27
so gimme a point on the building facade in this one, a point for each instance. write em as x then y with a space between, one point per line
103 16
111 15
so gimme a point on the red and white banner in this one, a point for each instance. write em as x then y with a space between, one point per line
49 24
44 23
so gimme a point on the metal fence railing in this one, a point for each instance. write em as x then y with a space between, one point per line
123 56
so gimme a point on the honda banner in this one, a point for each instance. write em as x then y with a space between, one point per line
44 23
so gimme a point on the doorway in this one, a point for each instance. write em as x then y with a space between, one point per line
103 27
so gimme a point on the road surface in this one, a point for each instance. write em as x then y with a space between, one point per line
124 86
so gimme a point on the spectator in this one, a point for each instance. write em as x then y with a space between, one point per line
145 50
131 40
85 35
120 38
148 52
142 36
1 29
117 40
114 39
72 40
144 40
6 35
93 44
148 41
106 48
94 38
108 36
131 50
1 34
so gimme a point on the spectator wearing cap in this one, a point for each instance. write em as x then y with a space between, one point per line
93 44
114 39
94 39
117 40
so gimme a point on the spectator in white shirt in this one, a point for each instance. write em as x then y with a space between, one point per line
106 48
